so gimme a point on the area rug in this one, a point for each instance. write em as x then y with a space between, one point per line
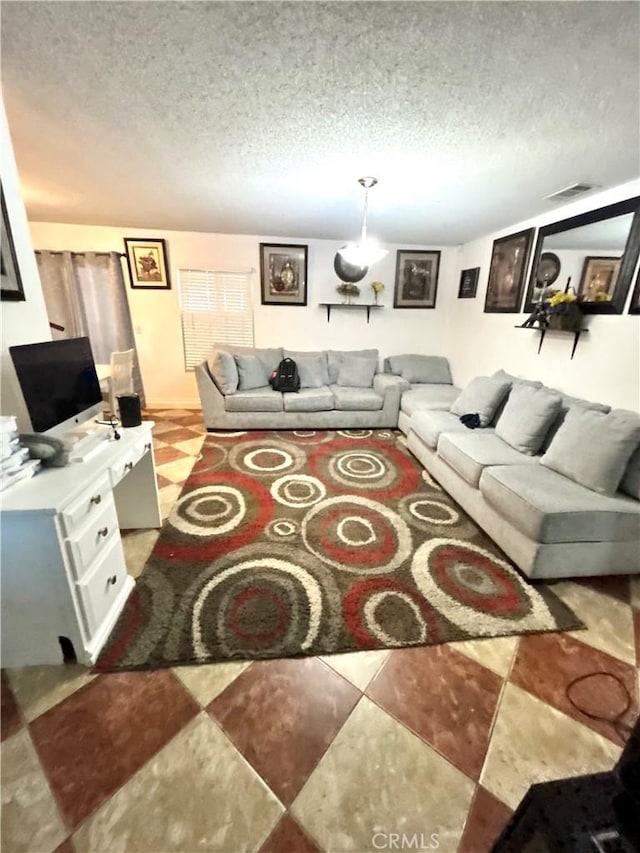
290 543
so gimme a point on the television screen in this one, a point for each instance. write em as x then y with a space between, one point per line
58 380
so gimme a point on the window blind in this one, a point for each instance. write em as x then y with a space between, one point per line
216 308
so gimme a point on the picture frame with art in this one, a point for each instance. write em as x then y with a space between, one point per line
11 288
599 278
283 274
634 305
416 284
147 262
468 283
507 271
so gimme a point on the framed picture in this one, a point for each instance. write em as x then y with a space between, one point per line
634 306
599 278
416 279
468 283
509 260
283 274
11 283
147 260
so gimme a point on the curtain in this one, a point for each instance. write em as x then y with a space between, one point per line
86 294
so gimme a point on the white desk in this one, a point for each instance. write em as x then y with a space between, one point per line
63 567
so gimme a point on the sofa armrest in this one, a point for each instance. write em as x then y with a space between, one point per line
382 382
211 398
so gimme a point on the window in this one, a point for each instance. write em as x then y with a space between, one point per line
216 308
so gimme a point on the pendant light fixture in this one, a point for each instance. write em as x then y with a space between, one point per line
365 252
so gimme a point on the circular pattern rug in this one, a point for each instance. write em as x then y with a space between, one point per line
312 542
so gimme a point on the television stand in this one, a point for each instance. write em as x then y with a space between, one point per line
64 577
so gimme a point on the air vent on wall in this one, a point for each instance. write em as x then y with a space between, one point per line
570 192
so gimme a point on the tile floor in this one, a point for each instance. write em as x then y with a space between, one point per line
331 753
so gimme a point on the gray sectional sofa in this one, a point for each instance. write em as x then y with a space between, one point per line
427 384
529 494
339 390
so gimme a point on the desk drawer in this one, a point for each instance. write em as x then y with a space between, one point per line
128 459
89 540
88 504
99 589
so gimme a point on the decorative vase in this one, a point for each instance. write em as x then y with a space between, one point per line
569 322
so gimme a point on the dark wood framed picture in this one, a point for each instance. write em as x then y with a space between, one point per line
11 283
634 306
509 261
599 278
416 284
148 265
468 283
283 274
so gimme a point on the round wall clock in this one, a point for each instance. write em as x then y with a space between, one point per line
548 269
348 272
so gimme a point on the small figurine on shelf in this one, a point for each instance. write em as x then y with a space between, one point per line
377 287
348 291
538 316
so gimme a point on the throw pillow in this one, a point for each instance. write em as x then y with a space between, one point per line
357 372
312 371
432 369
223 369
334 360
593 449
515 380
252 372
527 416
482 396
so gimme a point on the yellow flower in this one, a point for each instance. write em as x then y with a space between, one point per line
377 286
560 298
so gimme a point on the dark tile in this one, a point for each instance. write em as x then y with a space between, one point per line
636 628
282 715
195 420
287 837
546 664
65 847
486 819
445 698
173 436
10 719
169 454
91 743
615 586
162 481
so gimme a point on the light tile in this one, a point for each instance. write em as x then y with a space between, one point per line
357 667
533 742
30 817
197 793
168 496
162 426
137 546
191 446
207 681
496 654
609 621
176 471
378 777
635 592
38 688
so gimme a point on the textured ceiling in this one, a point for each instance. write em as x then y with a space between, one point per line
259 117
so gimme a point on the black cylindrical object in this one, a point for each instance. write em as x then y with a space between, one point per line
129 405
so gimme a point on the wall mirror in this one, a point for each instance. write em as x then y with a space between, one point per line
598 250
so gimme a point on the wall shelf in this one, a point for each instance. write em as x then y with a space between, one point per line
543 331
330 305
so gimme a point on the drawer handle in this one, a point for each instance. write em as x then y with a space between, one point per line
96 499
103 531
112 581
128 466
147 446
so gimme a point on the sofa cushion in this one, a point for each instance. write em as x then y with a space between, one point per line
431 369
471 452
516 380
312 370
349 399
423 397
334 360
481 396
527 416
252 372
568 403
263 399
430 425
548 507
309 400
357 372
630 484
222 367
594 449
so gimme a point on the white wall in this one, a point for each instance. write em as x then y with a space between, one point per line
156 316
606 365
22 322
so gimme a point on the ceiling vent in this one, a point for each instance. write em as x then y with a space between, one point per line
570 192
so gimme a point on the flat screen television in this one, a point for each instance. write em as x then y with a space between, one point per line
59 383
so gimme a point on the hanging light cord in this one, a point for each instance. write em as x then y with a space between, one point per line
621 729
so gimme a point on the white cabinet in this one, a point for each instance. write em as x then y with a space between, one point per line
63 573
